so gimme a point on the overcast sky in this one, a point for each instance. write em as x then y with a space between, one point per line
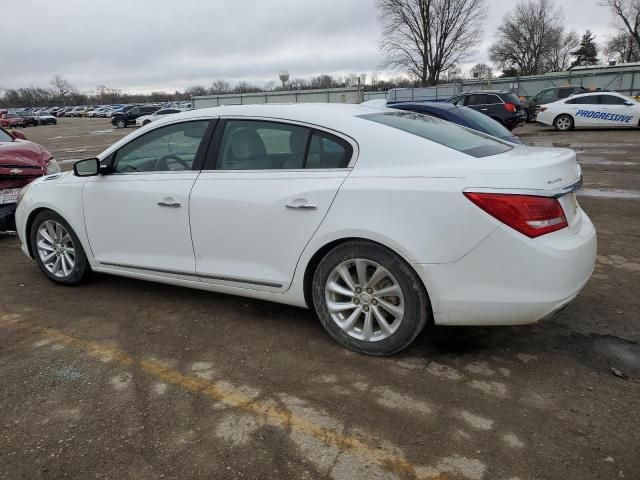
146 45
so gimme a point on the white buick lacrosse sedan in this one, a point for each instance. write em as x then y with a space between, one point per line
380 220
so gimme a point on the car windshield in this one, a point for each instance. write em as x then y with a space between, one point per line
448 134
484 123
5 137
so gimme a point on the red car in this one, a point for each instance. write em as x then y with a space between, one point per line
21 162
11 120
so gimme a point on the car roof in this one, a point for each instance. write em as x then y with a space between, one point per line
312 113
599 92
434 105
504 92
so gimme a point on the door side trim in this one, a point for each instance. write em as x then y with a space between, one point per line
196 275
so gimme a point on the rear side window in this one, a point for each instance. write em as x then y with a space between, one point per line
588 100
478 99
263 145
565 92
450 135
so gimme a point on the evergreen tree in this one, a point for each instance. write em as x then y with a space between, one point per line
587 54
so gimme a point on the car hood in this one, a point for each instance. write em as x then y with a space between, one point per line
22 153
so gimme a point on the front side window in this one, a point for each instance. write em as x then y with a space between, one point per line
166 149
545 96
450 135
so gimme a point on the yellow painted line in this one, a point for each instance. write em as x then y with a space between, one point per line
232 398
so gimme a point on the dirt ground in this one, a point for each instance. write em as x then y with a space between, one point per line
122 379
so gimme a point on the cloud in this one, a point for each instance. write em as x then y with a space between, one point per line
148 45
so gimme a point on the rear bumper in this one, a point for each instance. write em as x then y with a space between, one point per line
510 279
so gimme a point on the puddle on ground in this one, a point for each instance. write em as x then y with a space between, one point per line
609 193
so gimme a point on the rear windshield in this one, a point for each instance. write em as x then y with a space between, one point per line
448 134
484 123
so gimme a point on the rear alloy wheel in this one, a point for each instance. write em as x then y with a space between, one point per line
563 123
57 249
121 123
369 299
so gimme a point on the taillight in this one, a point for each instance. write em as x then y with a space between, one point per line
542 109
510 107
528 214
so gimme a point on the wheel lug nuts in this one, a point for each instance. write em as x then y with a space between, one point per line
358 290
356 301
374 302
369 290
366 309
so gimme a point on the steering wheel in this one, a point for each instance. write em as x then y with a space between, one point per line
163 163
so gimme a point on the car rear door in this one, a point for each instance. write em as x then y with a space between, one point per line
263 193
137 217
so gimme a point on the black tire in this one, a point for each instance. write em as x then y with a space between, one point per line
417 308
146 122
81 269
563 123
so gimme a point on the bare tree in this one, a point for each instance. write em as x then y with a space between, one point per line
219 87
480 70
429 37
558 57
528 36
627 13
622 47
62 87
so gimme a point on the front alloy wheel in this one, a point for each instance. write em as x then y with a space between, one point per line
57 250
121 124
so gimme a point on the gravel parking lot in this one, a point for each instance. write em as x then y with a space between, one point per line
122 379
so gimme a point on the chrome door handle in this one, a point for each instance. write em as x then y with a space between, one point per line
169 204
301 204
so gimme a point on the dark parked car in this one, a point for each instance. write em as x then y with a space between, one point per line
549 95
130 113
28 117
460 115
504 107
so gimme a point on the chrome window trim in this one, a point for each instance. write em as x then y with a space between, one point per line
343 136
555 193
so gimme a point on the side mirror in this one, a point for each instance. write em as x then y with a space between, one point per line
18 135
87 168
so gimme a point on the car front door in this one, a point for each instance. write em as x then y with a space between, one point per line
260 199
137 216
620 112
